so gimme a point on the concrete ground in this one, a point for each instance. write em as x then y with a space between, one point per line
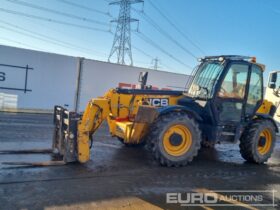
118 177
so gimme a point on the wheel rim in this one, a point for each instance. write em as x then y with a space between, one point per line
177 140
264 142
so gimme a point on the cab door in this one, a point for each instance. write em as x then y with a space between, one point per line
230 100
255 92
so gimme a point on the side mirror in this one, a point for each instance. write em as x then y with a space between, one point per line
272 80
143 77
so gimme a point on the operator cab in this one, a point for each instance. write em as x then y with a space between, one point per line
229 91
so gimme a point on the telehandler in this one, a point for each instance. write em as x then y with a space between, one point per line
223 102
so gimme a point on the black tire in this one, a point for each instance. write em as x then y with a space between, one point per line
250 140
162 124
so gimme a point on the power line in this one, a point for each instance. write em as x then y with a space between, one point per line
142 62
166 66
41 49
28 35
142 51
58 42
51 20
54 40
42 35
159 29
39 38
84 7
38 33
149 41
176 28
26 4
150 56
20 43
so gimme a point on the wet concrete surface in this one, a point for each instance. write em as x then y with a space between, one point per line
119 176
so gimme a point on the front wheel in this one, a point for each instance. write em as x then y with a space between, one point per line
175 139
258 141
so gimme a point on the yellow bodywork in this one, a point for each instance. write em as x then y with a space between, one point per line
265 107
128 117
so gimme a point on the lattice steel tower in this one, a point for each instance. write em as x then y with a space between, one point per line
122 40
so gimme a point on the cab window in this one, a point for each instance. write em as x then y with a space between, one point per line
255 93
234 84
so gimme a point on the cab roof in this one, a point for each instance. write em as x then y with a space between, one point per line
233 57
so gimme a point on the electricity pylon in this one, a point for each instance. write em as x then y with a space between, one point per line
122 40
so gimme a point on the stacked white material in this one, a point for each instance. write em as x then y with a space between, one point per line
8 101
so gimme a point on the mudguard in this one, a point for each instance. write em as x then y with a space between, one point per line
176 108
268 117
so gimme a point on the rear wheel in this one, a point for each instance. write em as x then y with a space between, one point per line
258 141
175 139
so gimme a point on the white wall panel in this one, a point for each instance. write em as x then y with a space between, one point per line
98 77
52 79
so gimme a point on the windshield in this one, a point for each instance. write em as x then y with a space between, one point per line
205 79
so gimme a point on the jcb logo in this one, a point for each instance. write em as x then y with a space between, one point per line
158 101
2 76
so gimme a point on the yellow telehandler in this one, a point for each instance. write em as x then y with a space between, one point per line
223 102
